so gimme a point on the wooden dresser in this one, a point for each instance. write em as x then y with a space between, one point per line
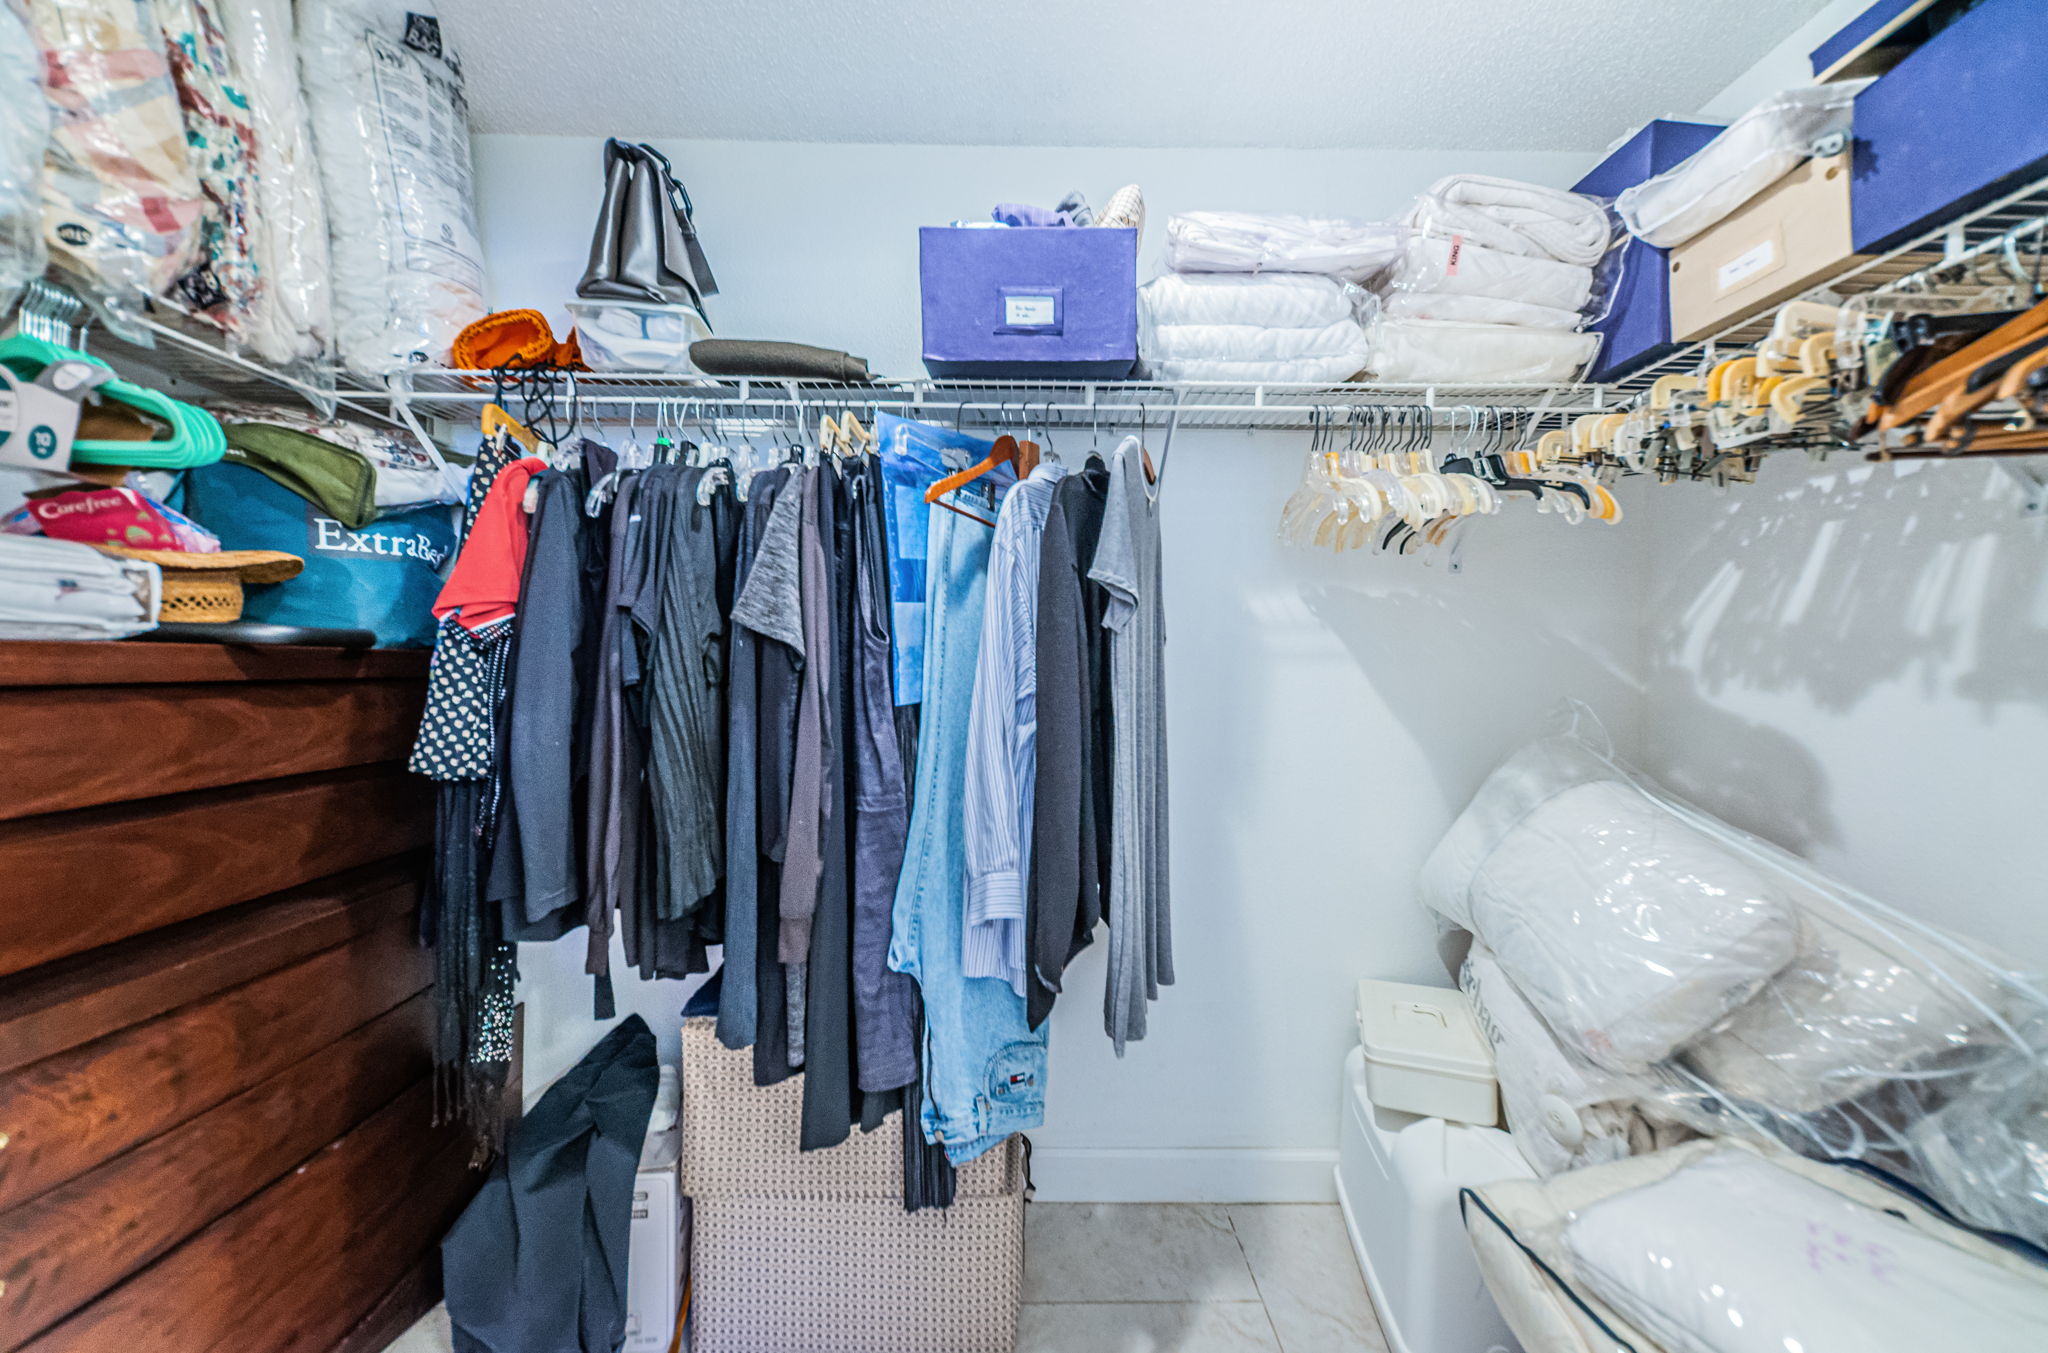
216 1094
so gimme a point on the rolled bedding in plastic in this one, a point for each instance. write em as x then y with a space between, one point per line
1756 150
1516 218
1448 265
1247 242
1788 1008
294 311
1420 351
1564 1112
1272 327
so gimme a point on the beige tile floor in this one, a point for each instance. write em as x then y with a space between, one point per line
1168 1278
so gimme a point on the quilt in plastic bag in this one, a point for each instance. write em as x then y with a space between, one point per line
121 198
24 140
1735 991
220 135
391 125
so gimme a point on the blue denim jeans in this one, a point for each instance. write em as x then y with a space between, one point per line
984 1067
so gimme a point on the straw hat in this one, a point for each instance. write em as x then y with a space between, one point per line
208 587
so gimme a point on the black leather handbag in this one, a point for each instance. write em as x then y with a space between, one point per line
645 247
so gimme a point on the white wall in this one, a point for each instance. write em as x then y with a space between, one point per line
1327 715
1853 662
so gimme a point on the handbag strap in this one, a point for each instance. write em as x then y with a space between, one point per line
685 210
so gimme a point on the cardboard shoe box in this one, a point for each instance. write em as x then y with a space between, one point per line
1792 236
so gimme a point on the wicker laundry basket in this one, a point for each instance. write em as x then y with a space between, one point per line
812 1252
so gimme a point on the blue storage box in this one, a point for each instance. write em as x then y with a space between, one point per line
1959 122
1880 37
1029 302
1637 329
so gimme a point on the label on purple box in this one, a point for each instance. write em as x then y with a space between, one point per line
1032 310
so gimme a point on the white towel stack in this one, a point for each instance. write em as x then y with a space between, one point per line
1492 285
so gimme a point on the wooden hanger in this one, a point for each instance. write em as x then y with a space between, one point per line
1003 453
1927 389
495 419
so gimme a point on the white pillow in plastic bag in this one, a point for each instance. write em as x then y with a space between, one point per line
1629 931
288 231
1733 1253
1863 1003
391 126
1756 150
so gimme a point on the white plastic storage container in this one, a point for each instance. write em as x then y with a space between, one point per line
1398 1178
1425 1054
621 336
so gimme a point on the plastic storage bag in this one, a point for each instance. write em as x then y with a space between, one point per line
1424 351
1239 241
121 200
1740 993
1756 150
1235 327
220 137
292 313
24 140
391 126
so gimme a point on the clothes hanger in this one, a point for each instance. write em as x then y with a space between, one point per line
1004 452
1927 389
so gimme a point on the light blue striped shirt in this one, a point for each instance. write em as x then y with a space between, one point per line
1002 737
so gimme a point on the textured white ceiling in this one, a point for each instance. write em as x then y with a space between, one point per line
1451 74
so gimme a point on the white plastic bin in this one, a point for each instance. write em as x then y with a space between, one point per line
1425 1054
1398 1178
622 336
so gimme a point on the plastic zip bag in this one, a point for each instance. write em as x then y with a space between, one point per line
24 140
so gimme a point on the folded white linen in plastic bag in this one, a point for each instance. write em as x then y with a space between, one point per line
1756 150
1248 242
1460 266
1476 310
1267 300
1516 218
1419 351
1239 327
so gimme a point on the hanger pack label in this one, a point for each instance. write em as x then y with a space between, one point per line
38 421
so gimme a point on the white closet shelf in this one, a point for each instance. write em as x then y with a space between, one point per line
192 364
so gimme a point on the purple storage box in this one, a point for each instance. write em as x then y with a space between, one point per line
1637 329
1960 122
1029 302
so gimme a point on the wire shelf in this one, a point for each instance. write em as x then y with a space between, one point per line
195 365
1916 265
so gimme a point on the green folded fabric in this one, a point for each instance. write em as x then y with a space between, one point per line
340 482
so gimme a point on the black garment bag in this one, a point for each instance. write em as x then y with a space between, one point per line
537 1262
